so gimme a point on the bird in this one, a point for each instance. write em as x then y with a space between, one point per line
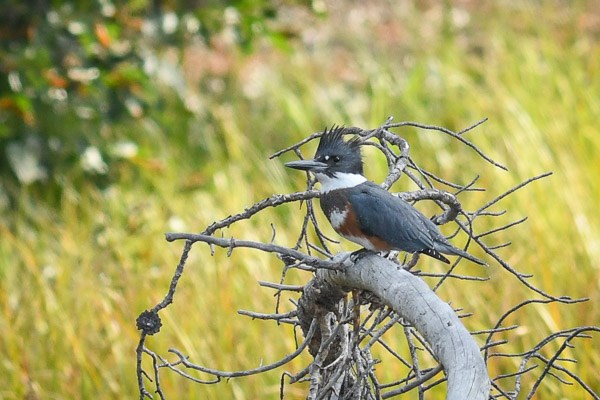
365 213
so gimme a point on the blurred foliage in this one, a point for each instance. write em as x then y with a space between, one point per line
80 78
120 121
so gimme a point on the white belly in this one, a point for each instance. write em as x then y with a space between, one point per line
337 218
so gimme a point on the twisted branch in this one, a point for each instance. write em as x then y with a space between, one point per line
343 362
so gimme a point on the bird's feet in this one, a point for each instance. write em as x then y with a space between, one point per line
358 254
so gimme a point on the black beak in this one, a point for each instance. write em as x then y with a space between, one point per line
307 165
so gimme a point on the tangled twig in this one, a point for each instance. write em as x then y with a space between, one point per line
343 357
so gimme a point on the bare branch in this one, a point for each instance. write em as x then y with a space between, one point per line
183 360
512 190
550 364
457 136
412 299
232 243
280 287
272 201
454 207
343 365
255 315
426 376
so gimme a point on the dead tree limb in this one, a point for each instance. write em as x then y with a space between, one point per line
409 297
339 337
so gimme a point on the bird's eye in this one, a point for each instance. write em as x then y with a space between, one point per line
326 158
336 158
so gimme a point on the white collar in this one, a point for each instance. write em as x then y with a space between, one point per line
340 180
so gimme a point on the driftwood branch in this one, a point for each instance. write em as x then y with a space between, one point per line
410 298
341 334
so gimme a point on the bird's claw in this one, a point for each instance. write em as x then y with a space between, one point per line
358 254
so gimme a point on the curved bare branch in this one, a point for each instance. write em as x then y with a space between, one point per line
414 301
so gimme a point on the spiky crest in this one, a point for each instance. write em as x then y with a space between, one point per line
332 143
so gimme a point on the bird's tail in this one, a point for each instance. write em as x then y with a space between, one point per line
449 249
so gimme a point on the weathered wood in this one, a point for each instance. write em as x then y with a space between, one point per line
437 322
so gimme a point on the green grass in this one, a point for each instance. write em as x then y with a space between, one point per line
73 279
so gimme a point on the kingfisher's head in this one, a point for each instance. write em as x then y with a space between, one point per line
337 163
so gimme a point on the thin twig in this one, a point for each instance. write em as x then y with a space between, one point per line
344 366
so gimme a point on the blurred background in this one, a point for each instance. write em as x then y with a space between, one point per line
120 121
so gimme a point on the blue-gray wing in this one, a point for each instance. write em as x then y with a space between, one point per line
387 217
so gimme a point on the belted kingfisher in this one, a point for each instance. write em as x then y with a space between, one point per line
364 212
